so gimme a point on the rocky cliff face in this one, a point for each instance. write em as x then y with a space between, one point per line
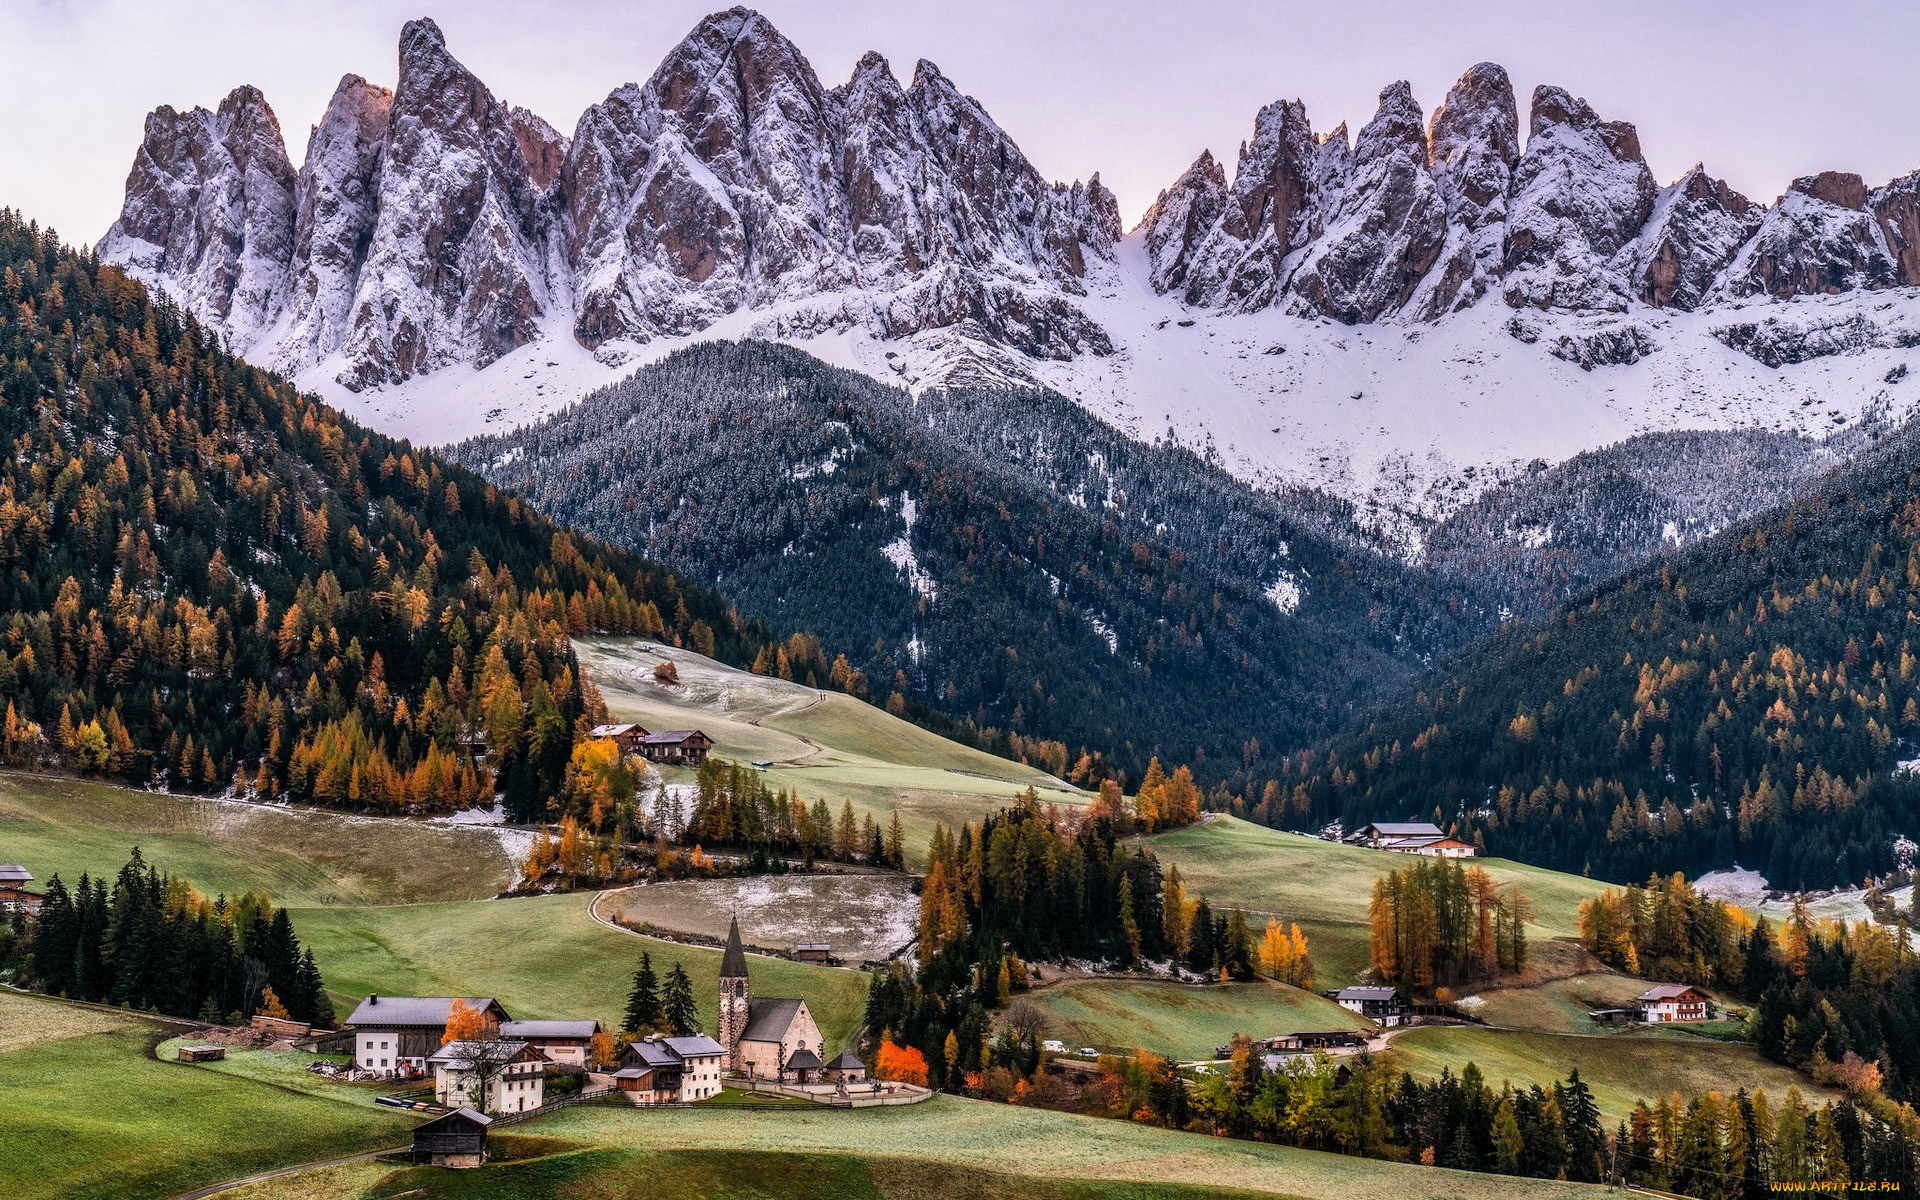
1414 226
438 225
210 210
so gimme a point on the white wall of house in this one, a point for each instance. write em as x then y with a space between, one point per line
377 1050
517 1088
701 1078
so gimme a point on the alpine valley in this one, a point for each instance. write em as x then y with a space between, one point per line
1209 489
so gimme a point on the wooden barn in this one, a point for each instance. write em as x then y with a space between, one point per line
813 952
677 746
458 1139
627 737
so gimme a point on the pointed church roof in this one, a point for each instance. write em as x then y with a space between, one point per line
733 964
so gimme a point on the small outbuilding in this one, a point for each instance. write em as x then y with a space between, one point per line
804 1065
200 1054
846 1067
458 1139
15 895
813 952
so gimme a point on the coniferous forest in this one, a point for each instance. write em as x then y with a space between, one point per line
1747 700
212 581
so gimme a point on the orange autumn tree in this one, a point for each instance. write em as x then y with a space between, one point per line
469 1023
901 1064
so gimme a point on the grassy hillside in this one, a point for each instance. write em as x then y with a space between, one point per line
541 957
1181 1021
1621 1068
299 856
818 742
1047 1145
1325 886
90 1116
595 1174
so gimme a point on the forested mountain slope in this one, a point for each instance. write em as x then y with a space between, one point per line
998 555
210 579
1748 699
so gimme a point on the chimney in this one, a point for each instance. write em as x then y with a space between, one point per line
373 999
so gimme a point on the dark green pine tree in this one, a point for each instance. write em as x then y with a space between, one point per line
677 1005
310 993
1586 1142
643 1001
55 933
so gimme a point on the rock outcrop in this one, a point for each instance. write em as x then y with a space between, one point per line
439 225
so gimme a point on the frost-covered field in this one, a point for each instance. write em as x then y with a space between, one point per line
1749 890
860 916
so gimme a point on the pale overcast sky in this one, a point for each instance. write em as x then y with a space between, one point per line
1762 90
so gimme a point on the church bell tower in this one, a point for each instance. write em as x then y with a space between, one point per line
733 996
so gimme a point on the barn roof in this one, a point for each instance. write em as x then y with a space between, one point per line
549 1029
1367 993
1407 829
1667 991
672 737
14 873
653 1054
607 731
459 1116
383 1012
769 1018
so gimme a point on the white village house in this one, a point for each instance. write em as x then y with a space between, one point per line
1672 1002
1410 837
494 1077
400 1033
1382 1004
671 1070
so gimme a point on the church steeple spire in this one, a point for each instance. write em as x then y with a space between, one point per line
733 963
735 1004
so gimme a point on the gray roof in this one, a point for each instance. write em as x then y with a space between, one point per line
1407 829
1667 991
459 1055
633 1072
814 946
847 1061
466 1114
603 731
14 873
574 1030
393 1012
654 1054
733 963
803 1060
671 737
1368 993
698 1045
769 1018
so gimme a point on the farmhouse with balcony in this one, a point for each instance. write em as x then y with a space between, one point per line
400 1033
1672 1002
627 737
688 746
671 1070
1383 1004
496 1077
15 896
1411 837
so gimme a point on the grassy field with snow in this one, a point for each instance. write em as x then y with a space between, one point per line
297 855
861 917
819 743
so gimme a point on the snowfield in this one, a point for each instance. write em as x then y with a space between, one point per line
1407 419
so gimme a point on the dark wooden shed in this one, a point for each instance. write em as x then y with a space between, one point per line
458 1139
